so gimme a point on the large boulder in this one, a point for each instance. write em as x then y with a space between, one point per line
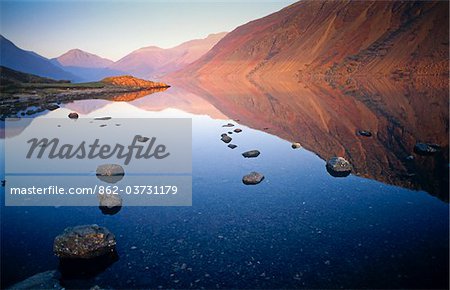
84 242
252 178
338 167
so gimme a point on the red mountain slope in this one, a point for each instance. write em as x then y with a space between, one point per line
389 38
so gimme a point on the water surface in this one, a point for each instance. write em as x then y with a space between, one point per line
299 228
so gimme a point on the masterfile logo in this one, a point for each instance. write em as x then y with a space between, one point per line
65 162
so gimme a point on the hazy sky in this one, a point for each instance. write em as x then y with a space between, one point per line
112 29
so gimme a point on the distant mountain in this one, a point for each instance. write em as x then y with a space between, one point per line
89 67
16 58
150 62
334 38
79 58
12 77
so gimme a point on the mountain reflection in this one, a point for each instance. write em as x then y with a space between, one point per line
127 97
325 116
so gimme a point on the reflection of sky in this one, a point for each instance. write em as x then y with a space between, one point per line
113 29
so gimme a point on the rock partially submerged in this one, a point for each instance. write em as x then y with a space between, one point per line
110 201
296 145
365 133
426 148
251 154
102 118
225 138
73 115
44 280
232 146
84 242
228 125
52 107
237 130
338 167
142 138
110 173
252 178
110 204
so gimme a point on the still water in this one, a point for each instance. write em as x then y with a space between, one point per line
298 228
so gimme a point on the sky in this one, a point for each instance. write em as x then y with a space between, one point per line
112 29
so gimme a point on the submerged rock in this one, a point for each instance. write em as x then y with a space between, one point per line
232 146
251 154
252 178
364 133
338 167
73 115
226 138
142 138
237 130
296 145
44 280
110 173
426 148
228 125
84 242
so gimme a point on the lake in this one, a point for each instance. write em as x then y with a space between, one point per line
384 226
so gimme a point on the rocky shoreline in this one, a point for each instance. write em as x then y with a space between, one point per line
21 98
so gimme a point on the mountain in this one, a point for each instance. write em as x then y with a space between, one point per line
152 61
333 39
89 67
11 77
16 58
79 58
